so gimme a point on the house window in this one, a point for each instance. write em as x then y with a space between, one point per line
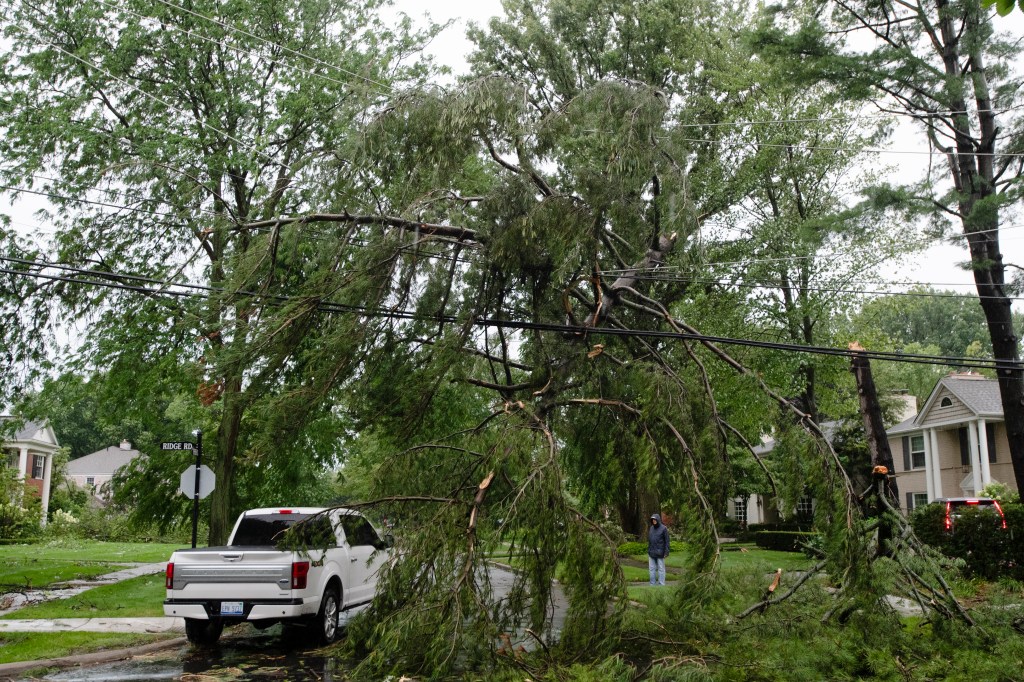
945 402
38 465
805 508
90 480
915 500
917 458
741 510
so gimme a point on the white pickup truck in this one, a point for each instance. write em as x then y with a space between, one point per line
300 566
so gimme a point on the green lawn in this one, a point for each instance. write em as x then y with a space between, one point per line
35 646
135 598
90 551
40 565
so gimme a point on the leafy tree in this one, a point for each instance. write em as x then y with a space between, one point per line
952 322
160 132
958 84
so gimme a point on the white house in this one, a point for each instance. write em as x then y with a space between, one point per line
30 452
956 445
765 508
95 470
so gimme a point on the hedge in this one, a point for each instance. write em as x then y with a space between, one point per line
987 549
782 540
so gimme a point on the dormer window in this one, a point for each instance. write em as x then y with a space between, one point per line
946 402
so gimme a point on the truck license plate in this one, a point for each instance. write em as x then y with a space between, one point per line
231 608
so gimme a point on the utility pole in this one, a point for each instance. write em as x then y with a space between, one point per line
883 482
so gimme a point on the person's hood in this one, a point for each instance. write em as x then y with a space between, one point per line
656 517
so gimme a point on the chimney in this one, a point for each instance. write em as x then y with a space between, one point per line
126 445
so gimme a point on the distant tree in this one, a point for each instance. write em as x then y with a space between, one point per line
160 132
950 321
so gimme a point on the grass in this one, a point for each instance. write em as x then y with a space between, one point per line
28 575
35 646
40 565
134 598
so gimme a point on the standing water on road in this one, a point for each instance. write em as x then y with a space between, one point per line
245 655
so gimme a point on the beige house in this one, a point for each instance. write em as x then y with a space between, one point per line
30 452
956 444
94 471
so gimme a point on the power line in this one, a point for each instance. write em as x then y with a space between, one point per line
862 150
296 53
234 48
396 314
682 279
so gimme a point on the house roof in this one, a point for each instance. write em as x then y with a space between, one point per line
102 462
905 426
828 428
37 433
978 394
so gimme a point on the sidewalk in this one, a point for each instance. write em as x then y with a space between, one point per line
128 625
14 601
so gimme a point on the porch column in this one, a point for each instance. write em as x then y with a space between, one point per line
46 486
986 470
933 440
23 463
972 438
930 463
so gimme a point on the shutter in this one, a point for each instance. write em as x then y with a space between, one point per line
910 501
965 447
906 453
990 436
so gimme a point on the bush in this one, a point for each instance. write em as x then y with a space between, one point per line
783 540
987 550
631 548
929 524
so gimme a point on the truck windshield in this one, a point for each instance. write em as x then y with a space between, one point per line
264 530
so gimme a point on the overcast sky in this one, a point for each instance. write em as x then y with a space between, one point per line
938 266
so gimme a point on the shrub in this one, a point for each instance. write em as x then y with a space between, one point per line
631 548
929 524
987 550
783 540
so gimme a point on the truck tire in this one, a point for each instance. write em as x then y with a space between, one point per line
327 618
203 632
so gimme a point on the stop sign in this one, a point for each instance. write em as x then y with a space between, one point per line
207 481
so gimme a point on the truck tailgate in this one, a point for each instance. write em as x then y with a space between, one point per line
222 572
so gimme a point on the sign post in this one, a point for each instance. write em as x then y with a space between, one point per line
190 478
195 493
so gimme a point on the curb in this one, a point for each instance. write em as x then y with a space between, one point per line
11 671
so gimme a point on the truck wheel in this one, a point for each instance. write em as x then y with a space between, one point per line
327 617
203 632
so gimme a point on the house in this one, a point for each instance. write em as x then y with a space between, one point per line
30 452
94 471
956 444
765 508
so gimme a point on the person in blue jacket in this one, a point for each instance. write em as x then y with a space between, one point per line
658 548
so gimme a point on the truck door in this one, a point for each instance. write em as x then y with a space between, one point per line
363 542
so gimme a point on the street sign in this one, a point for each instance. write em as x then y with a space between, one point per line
179 445
207 481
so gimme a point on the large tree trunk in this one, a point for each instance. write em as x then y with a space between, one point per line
222 513
973 172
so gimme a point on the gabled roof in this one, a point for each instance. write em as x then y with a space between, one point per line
979 394
102 462
36 433
905 426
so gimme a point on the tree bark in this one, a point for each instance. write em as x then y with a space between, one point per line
972 168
